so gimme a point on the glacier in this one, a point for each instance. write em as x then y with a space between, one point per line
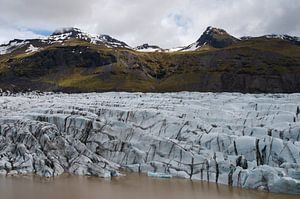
244 140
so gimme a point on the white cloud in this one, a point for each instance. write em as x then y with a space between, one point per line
167 23
7 33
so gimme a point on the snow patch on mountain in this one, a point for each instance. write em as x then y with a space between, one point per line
174 49
59 36
12 46
31 49
148 48
192 47
283 37
289 38
3 50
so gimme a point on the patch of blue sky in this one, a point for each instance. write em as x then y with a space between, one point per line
40 31
181 21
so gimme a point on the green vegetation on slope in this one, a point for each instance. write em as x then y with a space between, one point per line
258 65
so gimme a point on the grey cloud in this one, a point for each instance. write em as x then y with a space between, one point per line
167 23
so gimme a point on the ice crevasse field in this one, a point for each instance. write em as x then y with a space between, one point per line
244 140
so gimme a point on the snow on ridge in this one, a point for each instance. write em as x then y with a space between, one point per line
12 46
3 50
191 47
176 49
148 48
60 36
274 36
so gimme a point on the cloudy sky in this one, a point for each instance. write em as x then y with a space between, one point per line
167 23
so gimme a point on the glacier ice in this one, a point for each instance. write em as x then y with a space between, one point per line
243 140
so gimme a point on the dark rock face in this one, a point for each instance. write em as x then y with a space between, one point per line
217 38
78 56
260 83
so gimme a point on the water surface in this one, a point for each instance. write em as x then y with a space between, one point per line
133 186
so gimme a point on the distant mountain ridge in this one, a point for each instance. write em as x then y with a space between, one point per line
71 60
59 36
292 39
214 37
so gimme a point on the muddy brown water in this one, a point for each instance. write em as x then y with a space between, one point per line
133 186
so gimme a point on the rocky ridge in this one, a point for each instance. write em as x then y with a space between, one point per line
292 39
212 36
60 37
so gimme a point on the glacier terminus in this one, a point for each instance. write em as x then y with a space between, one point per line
244 140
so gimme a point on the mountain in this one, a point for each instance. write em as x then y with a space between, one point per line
60 36
291 39
71 60
213 37
75 33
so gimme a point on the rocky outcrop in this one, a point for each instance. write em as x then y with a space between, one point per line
248 141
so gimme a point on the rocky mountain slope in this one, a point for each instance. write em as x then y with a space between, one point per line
74 61
248 141
213 37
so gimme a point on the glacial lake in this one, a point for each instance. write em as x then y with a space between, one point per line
133 186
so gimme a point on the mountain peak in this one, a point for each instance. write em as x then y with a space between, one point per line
72 30
213 37
216 37
63 34
214 30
